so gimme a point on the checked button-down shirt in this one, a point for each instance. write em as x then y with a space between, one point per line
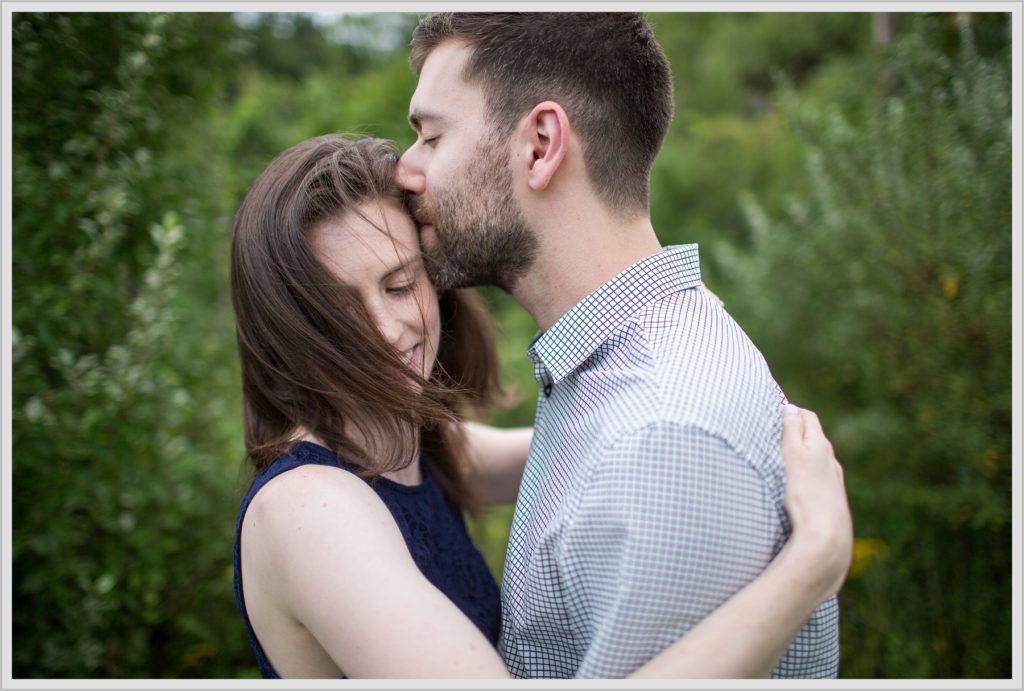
655 483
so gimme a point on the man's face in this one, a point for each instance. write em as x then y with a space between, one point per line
460 182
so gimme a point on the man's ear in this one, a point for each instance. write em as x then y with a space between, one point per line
548 132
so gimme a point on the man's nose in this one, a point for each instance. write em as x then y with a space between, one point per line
408 174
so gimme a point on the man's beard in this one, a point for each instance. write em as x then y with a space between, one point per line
480 235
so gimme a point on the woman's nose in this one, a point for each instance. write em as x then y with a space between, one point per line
389 326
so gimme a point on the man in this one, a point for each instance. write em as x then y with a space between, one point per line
654 486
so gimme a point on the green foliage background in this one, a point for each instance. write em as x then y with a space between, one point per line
851 197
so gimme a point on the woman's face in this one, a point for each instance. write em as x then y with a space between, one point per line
379 257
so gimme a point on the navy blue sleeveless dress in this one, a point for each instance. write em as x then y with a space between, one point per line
434 532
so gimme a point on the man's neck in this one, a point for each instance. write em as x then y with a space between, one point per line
578 255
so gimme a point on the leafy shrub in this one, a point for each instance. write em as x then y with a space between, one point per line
882 299
122 505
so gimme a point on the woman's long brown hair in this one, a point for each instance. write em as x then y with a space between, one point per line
311 355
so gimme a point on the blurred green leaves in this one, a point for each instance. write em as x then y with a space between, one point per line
123 488
852 204
889 293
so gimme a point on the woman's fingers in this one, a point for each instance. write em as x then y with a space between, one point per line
812 425
815 499
804 443
792 429
814 435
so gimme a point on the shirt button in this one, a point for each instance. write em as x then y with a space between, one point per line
547 390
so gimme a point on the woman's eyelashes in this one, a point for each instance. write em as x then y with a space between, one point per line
404 282
402 289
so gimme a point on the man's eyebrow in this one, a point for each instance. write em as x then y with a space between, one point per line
418 117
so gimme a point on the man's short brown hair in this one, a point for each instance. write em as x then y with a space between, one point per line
604 68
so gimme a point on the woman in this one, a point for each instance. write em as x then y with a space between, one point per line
351 556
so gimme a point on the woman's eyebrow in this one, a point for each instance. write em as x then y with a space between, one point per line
399 268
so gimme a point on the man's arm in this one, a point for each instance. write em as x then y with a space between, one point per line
670 524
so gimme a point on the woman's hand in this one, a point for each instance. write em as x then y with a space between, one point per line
815 499
749 633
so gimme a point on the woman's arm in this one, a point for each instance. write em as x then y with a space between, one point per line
325 566
496 458
749 633
322 549
747 636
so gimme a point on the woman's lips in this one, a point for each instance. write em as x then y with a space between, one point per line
411 357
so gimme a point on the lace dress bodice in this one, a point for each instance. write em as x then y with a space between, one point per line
434 531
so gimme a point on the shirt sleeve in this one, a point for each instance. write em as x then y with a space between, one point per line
669 524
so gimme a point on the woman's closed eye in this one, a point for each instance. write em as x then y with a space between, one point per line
404 279
401 289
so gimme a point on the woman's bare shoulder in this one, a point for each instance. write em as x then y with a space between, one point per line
312 495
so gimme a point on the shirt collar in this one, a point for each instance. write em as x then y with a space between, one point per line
573 338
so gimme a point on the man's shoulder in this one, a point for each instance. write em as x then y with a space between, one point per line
690 321
693 355
684 364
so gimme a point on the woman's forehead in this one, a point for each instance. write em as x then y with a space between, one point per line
373 239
